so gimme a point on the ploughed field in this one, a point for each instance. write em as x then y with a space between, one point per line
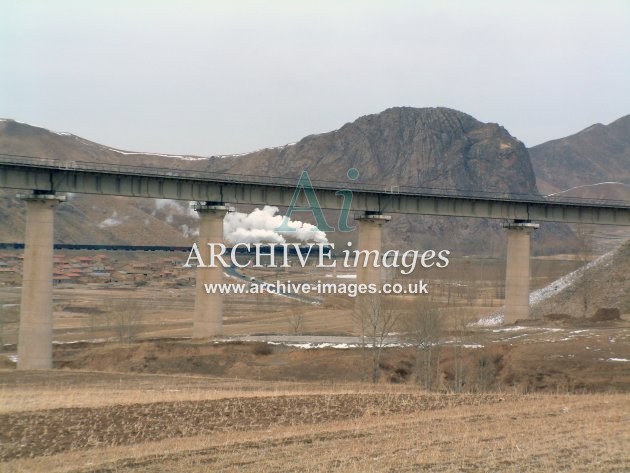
116 422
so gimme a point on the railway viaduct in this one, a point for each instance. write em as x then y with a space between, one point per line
44 181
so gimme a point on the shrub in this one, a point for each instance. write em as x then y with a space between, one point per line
607 313
262 348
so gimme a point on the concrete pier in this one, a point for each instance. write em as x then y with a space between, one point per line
36 306
208 315
370 239
517 271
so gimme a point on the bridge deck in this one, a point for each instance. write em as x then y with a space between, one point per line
28 173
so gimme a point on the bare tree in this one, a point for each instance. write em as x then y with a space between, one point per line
9 321
125 317
2 323
97 320
376 320
422 328
459 321
296 321
584 254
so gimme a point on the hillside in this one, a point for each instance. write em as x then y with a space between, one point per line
591 164
26 140
436 148
600 153
603 283
93 219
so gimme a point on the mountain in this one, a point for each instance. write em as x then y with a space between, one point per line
26 140
88 218
97 220
435 148
600 153
591 164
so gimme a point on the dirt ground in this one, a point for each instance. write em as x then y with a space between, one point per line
547 396
543 395
201 424
548 355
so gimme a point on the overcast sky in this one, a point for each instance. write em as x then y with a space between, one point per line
218 77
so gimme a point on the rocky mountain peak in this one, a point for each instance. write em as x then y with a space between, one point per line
436 148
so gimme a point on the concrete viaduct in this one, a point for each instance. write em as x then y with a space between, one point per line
44 181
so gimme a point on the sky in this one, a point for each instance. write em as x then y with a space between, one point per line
222 77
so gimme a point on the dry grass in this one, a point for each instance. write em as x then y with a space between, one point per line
42 390
256 426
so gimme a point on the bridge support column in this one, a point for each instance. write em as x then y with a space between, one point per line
517 271
369 239
36 306
208 315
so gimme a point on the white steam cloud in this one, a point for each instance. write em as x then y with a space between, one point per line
185 212
259 227
176 207
187 231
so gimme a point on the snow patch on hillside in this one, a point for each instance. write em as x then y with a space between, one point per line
112 221
567 280
540 295
236 155
588 185
491 320
175 156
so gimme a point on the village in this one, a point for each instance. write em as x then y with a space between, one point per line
108 269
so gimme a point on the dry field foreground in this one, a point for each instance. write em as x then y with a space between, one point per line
110 422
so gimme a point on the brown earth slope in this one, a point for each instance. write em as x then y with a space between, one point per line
599 153
603 284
